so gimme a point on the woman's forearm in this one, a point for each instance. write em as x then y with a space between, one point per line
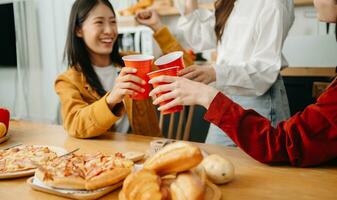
207 94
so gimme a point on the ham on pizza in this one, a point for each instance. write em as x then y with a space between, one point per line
85 172
18 159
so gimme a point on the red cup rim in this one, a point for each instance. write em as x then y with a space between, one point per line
137 57
170 56
160 70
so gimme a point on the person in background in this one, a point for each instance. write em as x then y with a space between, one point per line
248 36
307 138
94 91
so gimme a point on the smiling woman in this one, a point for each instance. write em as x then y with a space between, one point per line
95 90
86 26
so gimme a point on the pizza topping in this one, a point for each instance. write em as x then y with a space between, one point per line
2 165
92 172
119 154
86 166
24 158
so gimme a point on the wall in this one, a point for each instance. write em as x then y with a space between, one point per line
308 44
7 87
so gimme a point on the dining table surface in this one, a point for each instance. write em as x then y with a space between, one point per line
253 180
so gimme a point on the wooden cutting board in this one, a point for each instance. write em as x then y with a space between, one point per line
79 194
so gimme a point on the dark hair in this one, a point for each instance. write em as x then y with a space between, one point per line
76 52
223 9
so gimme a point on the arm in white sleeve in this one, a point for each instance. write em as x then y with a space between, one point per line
256 75
198 29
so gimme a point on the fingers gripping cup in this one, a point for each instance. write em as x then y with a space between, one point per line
170 60
143 65
171 71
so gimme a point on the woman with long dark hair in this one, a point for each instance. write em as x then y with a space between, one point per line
94 90
307 138
248 36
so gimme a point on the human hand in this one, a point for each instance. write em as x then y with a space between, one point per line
125 84
149 17
200 73
182 91
190 6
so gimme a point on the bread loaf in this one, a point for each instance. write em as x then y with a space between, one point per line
141 185
174 158
187 186
218 169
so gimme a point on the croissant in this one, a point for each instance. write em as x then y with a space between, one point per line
187 186
141 185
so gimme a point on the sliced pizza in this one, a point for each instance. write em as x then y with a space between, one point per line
84 172
24 158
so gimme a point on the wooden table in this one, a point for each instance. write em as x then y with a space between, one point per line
253 180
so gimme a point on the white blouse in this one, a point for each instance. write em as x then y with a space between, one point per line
107 76
250 52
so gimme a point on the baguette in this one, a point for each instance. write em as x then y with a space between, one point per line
174 158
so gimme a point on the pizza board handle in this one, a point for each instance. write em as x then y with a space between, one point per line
80 195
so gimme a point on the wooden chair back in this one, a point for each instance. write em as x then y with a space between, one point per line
183 127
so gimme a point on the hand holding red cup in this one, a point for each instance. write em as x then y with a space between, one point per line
143 65
171 71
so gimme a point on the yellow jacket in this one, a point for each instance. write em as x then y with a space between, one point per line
85 114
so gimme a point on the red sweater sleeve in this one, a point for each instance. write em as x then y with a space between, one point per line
307 138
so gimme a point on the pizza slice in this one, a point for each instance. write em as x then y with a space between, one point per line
85 172
24 158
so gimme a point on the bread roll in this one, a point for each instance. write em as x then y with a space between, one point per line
187 186
218 169
3 129
174 158
134 155
141 185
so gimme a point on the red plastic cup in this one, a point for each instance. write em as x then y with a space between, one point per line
170 60
4 117
171 71
143 65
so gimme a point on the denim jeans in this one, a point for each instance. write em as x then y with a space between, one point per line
273 105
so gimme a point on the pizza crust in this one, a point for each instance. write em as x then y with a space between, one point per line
24 158
86 172
70 182
107 178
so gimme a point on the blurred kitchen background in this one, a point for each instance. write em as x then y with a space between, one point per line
32 39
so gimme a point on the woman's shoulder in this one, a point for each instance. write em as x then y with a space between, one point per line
260 4
71 75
